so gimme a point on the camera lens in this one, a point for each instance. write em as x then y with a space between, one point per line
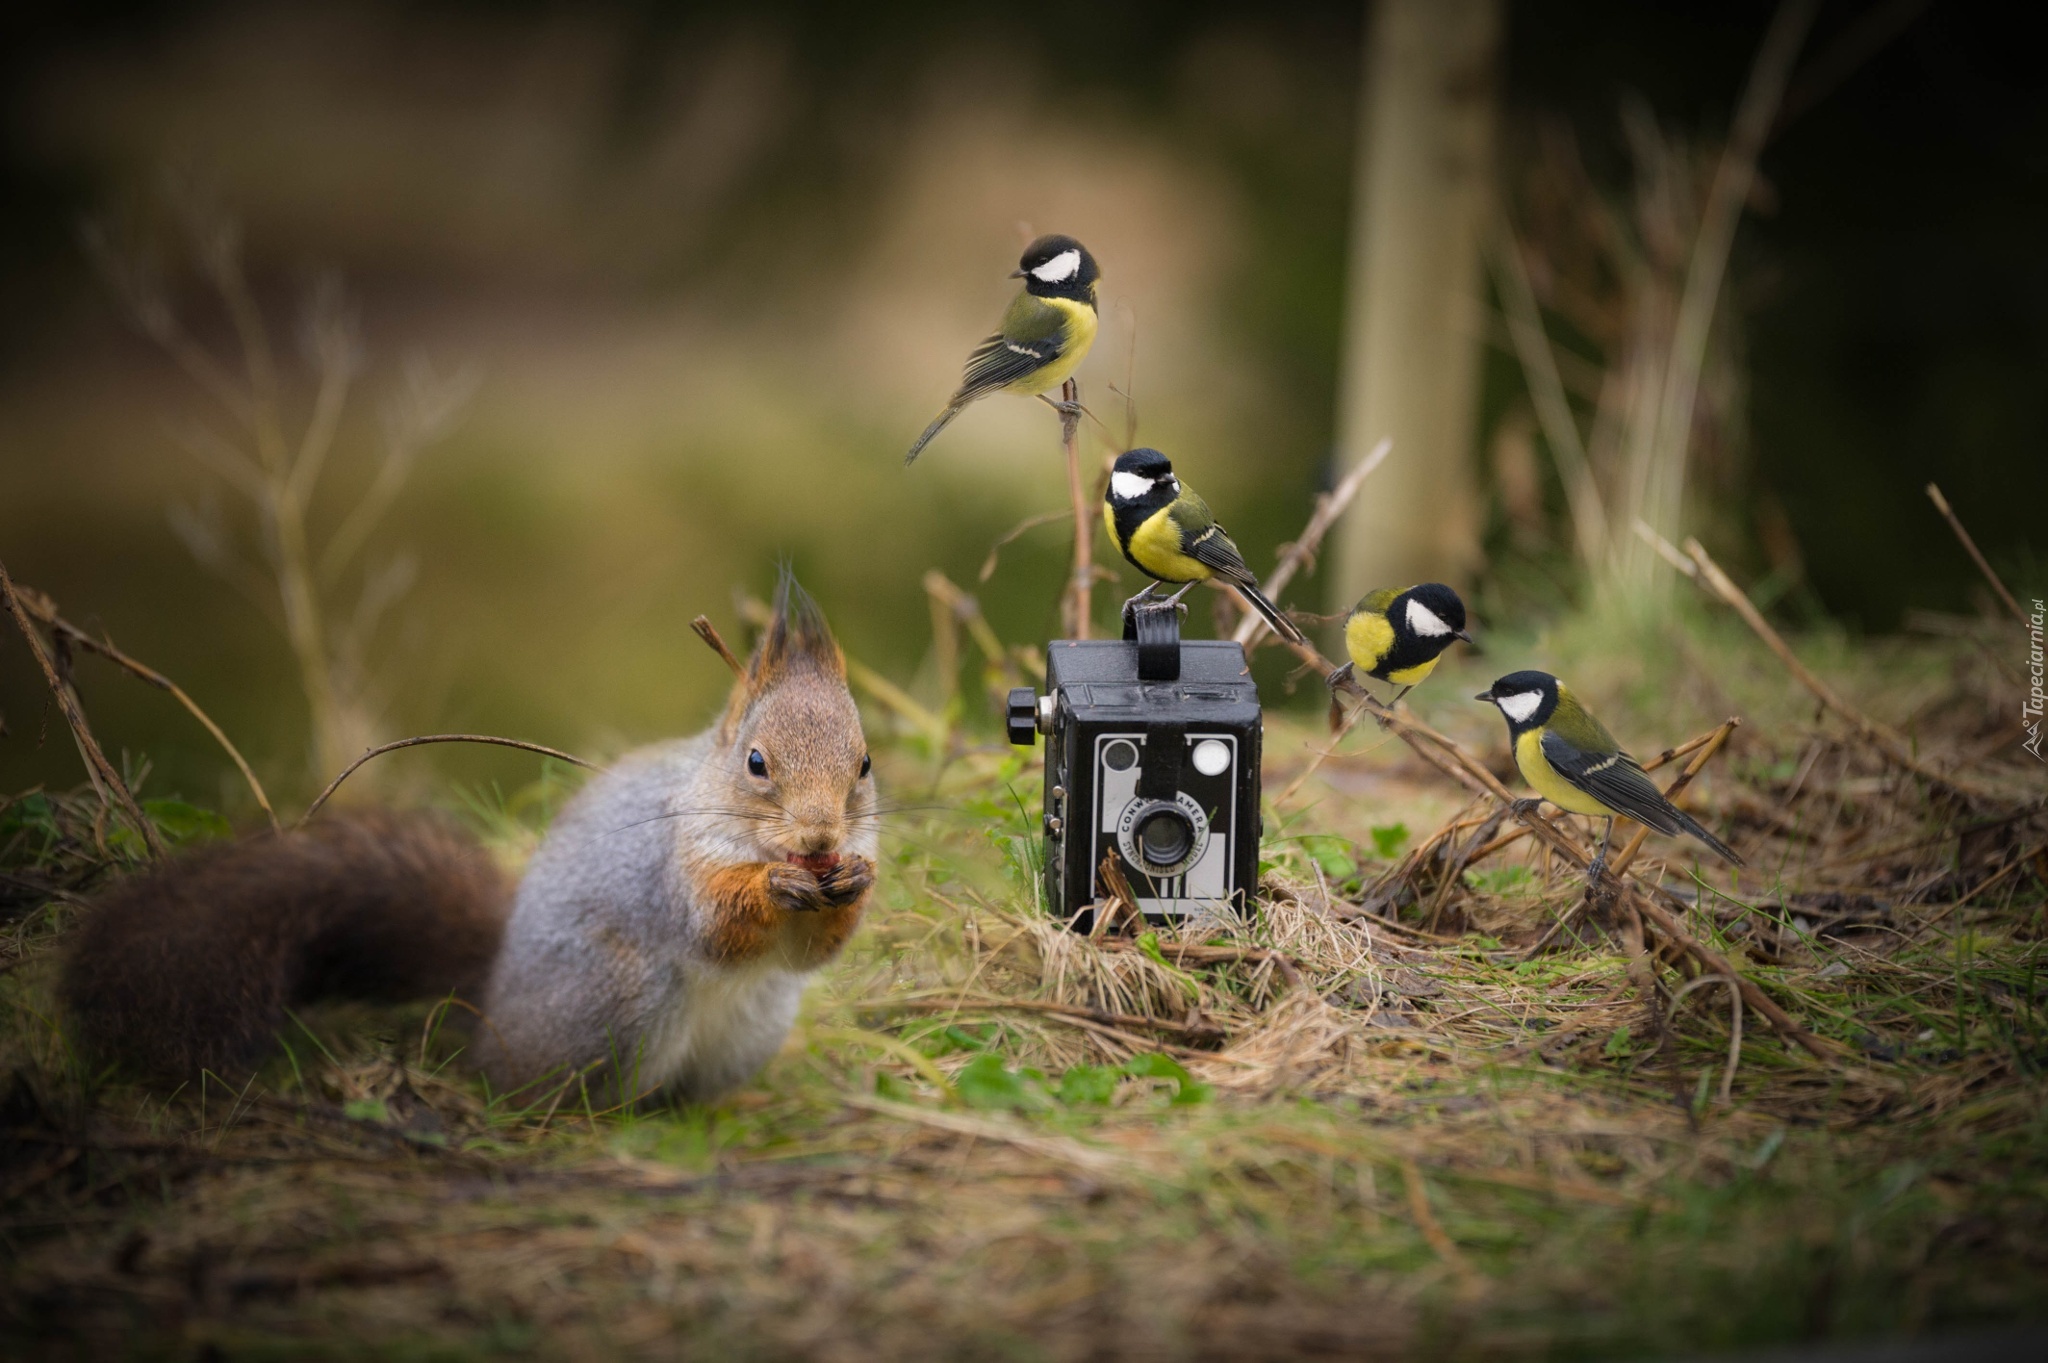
1165 836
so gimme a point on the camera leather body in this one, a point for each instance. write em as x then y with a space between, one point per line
1158 772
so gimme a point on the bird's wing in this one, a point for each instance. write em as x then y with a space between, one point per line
1001 360
1203 540
1614 779
1033 335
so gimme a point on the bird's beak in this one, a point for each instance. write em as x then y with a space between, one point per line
1017 274
1487 694
1460 634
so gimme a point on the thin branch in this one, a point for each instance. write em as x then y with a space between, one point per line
1734 175
1881 737
988 565
1983 566
1081 584
1201 1031
45 610
104 774
1329 506
1546 390
1707 747
708 632
383 748
338 359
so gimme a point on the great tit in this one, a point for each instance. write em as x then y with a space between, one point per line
1168 534
1573 762
1043 337
1398 636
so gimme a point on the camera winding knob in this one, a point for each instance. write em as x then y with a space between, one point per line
1020 715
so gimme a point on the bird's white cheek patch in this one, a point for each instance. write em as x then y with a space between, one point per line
1425 621
1061 266
1128 487
1519 706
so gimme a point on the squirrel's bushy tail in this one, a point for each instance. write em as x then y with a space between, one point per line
191 965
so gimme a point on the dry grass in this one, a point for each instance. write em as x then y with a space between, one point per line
1388 1133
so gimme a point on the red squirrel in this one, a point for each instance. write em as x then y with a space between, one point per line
659 941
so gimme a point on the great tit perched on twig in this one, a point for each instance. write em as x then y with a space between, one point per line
1573 762
1044 335
1398 636
1168 534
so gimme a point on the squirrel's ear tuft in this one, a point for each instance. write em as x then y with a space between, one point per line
797 640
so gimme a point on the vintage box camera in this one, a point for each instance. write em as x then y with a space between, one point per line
1152 760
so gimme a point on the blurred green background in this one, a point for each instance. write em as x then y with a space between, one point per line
709 271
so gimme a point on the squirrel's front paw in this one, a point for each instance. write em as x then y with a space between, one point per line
793 887
847 880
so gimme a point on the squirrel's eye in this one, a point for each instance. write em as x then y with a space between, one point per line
757 764
867 763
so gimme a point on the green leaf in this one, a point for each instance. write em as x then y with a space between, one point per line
1089 1085
987 1083
1388 840
1618 1045
182 823
1503 880
1157 1066
1332 855
1148 943
366 1110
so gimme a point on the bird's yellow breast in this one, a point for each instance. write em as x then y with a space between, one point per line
1547 781
1077 333
1368 637
1408 676
1155 547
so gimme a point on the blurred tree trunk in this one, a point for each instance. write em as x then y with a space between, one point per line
1423 185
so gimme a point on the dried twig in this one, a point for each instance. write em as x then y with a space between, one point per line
1329 506
708 632
1060 1148
1717 964
988 565
1546 390
1880 736
1198 953
1201 1031
1447 757
1081 584
1120 908
113 790
383 748
1706 747
1432 1230
45 610
1977 555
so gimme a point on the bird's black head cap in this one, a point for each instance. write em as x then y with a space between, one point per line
1144 463
1525 698
1442 612
1142 478
1058 267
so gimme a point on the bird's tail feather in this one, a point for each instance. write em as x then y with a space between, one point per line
1282 626
938 424
1689 824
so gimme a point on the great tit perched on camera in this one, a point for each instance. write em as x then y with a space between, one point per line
1043 337
1573 762
1398 636
1168 534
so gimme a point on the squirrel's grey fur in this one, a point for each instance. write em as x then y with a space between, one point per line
602 961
